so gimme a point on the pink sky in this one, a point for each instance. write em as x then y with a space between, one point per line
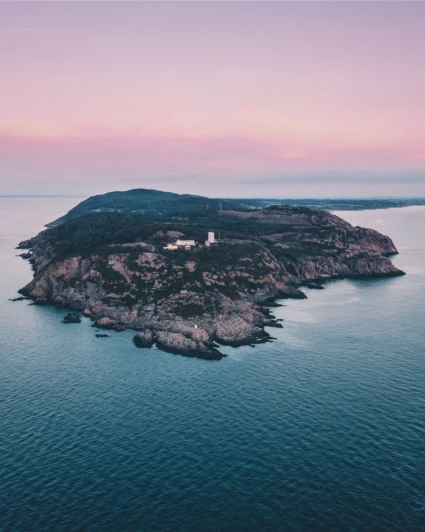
213 98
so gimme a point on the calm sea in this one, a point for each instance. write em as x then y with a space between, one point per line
324 429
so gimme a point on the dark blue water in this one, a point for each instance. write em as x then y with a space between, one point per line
322 430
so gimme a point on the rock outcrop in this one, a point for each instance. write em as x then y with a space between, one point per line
144 339
71 317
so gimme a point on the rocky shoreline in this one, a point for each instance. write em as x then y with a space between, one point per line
191 302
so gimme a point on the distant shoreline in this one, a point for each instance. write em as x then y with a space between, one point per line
327 204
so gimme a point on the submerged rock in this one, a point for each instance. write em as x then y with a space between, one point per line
71 318
40 301
314 286
26 255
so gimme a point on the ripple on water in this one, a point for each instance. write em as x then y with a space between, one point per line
322 429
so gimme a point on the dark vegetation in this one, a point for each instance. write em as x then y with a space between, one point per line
190 310
167 205
105 233
152 202
145 216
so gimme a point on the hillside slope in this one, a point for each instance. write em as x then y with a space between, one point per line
167 205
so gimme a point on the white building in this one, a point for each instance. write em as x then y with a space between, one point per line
211 239
185 243
170 246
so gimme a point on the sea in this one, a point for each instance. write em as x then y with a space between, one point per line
323 429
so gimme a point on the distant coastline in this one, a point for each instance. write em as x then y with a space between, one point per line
327 204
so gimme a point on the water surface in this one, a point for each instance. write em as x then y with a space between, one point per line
324 429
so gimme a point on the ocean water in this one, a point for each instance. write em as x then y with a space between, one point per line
324 429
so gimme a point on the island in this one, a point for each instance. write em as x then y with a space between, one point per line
190 274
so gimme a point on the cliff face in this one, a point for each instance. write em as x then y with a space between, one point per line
189 301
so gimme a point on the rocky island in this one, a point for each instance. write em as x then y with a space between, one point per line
115 258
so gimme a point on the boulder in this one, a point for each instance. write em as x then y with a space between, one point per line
179 344
236 332
144 339
108 323
71 318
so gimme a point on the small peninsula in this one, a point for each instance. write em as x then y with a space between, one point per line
190 273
